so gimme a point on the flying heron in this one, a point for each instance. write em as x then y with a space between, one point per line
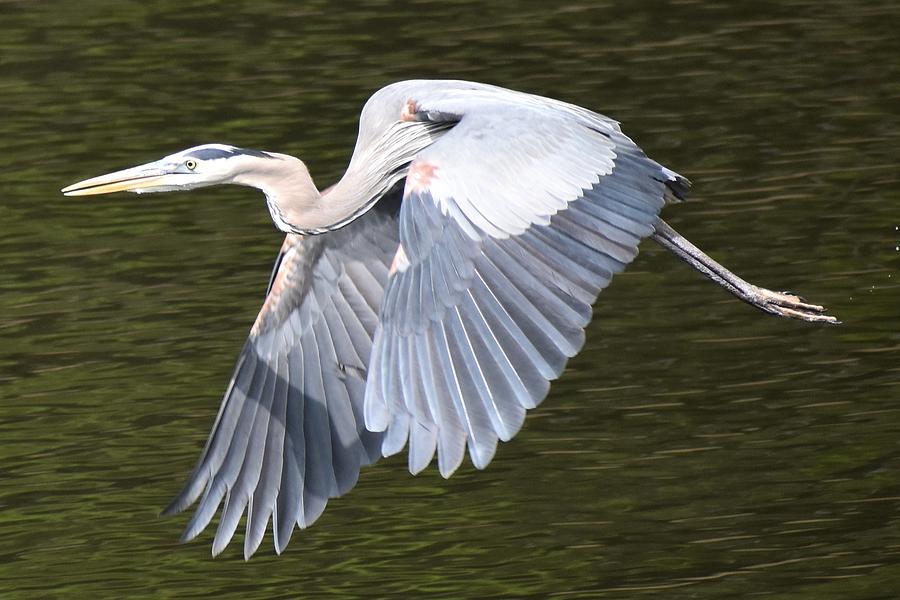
427 298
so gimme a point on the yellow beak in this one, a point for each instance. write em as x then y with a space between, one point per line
135 179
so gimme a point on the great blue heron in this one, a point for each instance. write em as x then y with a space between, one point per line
433 313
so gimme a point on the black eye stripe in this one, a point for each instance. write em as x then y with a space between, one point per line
214 153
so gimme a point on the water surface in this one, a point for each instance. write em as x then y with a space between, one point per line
695 448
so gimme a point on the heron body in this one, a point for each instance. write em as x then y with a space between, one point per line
426 299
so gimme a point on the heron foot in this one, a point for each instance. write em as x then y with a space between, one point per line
781 304
786 304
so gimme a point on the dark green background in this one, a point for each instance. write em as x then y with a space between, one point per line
695 449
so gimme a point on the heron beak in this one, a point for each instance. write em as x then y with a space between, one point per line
136 179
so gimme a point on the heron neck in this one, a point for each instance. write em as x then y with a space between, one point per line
290 192
297 206
378 162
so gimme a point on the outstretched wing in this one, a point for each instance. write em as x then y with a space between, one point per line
290 432
510 226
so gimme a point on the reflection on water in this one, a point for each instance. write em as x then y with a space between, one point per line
695 446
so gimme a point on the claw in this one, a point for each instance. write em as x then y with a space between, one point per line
786 304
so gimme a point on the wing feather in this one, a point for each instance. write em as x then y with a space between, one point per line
321 483
512 223
243 470
262 500
289 503
290 433
451 432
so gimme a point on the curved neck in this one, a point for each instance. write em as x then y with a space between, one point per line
378 162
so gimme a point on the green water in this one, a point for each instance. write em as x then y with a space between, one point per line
695 449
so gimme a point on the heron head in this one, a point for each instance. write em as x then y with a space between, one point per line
200 166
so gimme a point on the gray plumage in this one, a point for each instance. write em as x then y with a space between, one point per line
434 320
290 431
500 315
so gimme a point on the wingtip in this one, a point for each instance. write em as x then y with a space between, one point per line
173 508
189 493
482 454
677 186
276 538
375 411
187 535
281 533
219 545
447 467
196 524
418 461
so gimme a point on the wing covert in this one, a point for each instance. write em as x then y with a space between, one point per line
511 225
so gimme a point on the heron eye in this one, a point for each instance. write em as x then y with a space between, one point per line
191 164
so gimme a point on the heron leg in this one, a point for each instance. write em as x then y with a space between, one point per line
782 304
